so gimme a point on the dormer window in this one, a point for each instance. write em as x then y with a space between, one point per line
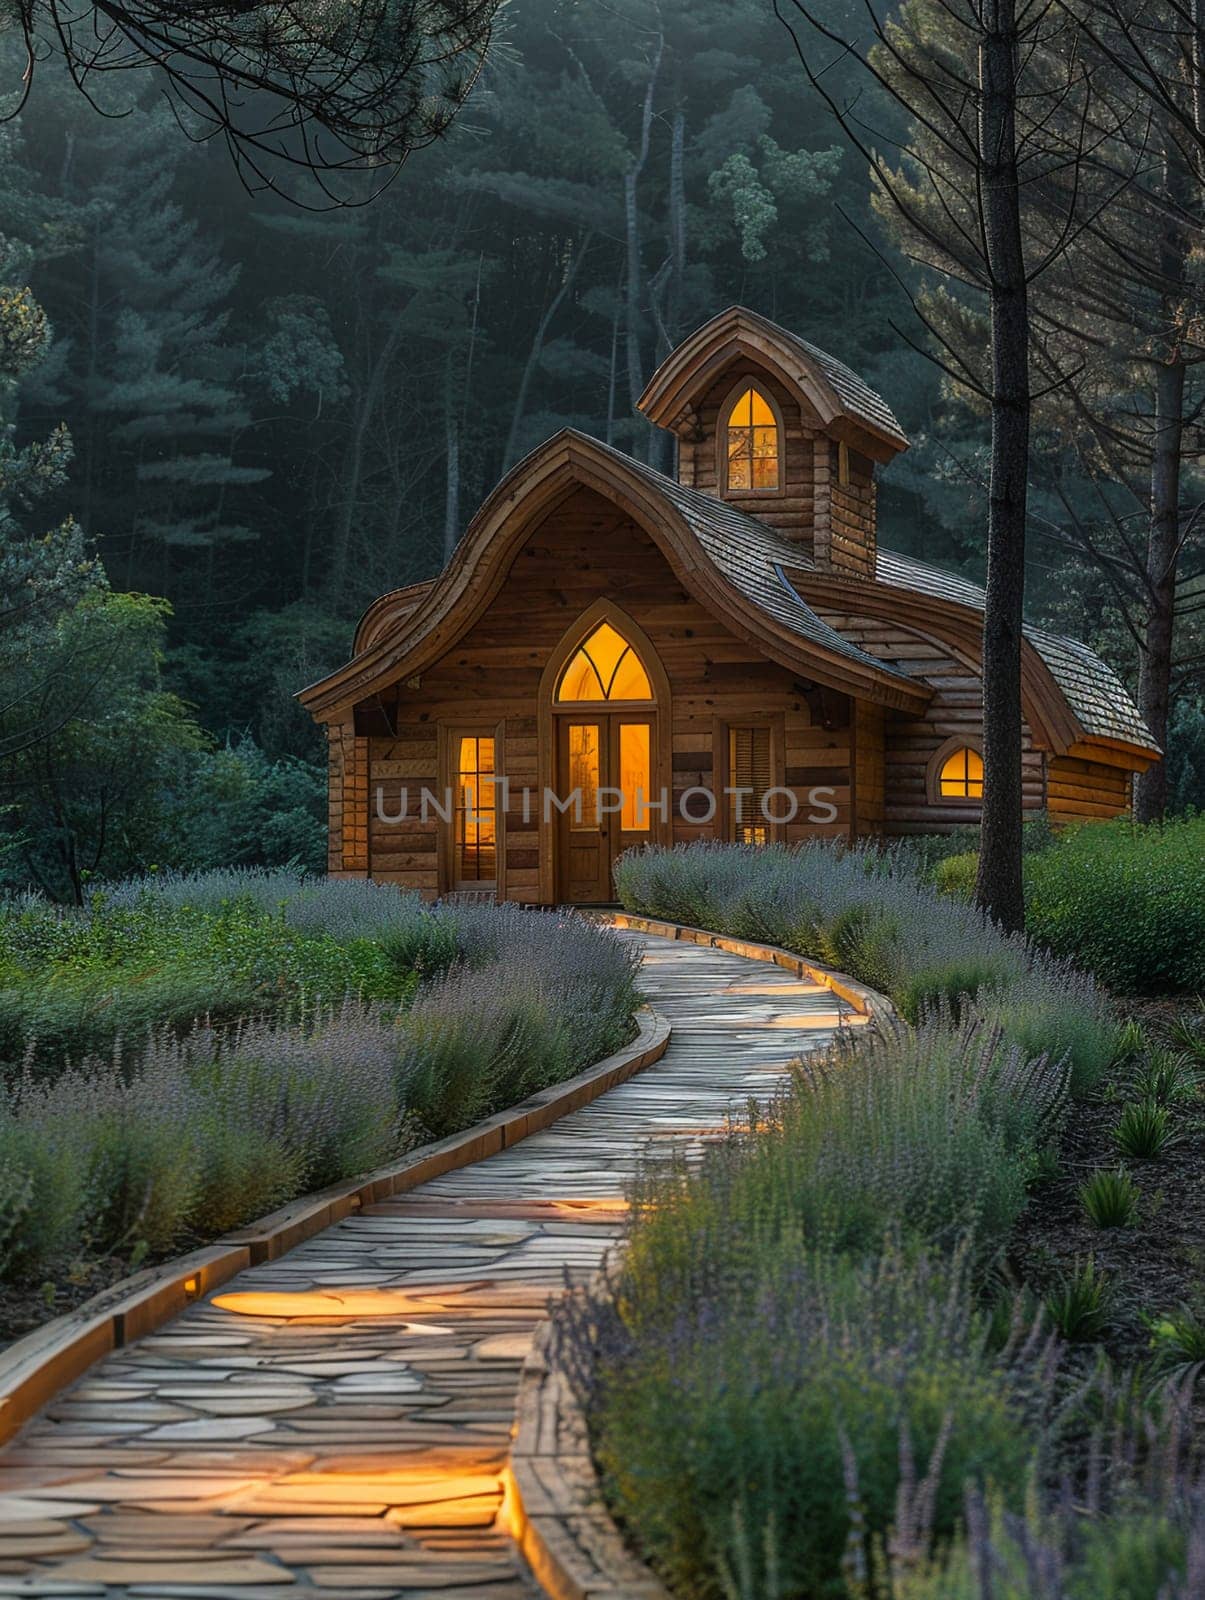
753 447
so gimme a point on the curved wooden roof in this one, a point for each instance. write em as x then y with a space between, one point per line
727 561
846 405
1070 695
387 611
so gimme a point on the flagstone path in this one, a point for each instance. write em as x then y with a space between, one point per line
233 1456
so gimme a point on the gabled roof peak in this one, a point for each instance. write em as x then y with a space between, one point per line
845 403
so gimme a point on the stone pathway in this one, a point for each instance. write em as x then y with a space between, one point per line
261 1446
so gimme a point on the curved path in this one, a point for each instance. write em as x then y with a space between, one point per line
234 1455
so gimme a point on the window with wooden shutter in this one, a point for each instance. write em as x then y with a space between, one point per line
750 777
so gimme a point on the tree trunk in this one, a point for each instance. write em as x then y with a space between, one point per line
675 293
999 888
1162 551
634 296
568 274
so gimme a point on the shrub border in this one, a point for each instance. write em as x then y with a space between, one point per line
36 1368
554 1509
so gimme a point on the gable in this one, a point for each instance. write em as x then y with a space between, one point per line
724 560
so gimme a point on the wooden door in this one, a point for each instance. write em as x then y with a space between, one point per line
604 785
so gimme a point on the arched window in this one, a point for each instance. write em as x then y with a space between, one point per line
961 776
752 442
604 668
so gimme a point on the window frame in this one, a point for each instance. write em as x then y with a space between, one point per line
937 761
722 728
756 381
450 734
605 703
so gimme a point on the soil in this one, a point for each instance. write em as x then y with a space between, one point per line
26 1306
1155 1265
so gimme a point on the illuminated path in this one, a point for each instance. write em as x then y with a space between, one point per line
234 1456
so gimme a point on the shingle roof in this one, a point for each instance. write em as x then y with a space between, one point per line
1092 689
752 557
854 392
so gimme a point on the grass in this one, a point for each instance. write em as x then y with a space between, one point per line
318 1030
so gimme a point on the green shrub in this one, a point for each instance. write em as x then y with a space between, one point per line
1167 1079
1144 1130
41 1194
1178 1344
1126 902
187 1053
925 1132
862 912
1109 1199
956 874
1079 1304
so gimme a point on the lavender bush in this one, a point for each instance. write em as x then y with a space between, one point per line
870 914
930 1133
727 1431
339 1024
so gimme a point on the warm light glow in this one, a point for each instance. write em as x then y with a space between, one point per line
584 767
962 775
752 443
342 1304
476 824
605 668
635 776
749 776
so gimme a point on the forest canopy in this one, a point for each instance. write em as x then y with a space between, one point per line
264 415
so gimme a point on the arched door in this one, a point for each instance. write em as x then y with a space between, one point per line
606 779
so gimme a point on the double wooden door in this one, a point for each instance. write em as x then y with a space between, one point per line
604 788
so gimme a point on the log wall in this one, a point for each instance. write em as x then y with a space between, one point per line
587 550
1080 790
791 510
911 743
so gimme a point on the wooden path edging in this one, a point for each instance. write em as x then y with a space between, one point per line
36 1368
555 1510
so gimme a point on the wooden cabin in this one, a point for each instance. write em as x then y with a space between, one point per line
614 657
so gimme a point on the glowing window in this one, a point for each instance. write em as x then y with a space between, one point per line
605 668
752 443
749 777
584 770
635 776
962 775
476 815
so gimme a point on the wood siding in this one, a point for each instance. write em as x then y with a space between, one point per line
870 768
910 744
846 536
585 551
790 511
347 820
1079 790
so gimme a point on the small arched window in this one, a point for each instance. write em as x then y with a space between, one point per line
604 668
752 442
961 775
